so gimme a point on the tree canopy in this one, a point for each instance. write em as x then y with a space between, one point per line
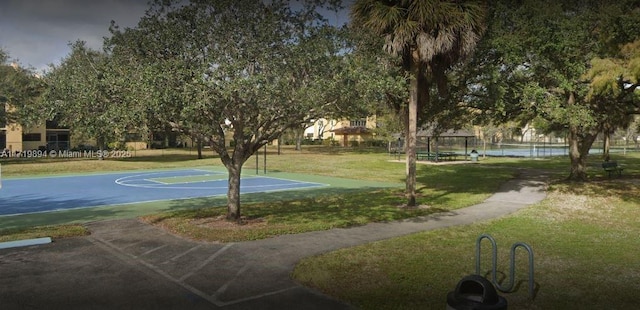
240 70
85 93
532 67
20 91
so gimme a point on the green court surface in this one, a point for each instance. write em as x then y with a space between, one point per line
107 211
190 179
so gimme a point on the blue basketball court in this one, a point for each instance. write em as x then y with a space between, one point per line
37 195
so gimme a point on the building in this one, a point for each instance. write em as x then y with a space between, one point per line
18 138
344 132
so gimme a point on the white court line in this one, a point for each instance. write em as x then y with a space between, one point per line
144 176
161 185
187 182
168 199
182 176
303 182
154 181
210 171
186 176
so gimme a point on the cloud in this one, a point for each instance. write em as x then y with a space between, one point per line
37 32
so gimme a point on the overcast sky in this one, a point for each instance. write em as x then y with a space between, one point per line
37 32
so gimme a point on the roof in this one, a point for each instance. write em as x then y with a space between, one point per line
449 133
351 131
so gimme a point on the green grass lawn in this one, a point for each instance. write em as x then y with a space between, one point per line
357 200
55 232
584 235
442 188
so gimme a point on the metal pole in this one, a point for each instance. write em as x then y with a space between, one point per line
512 272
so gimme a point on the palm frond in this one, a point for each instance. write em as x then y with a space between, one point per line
429 27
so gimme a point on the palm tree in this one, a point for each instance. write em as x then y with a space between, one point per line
430 36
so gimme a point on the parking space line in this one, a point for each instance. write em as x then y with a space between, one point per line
206 261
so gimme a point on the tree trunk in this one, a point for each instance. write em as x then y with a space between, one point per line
606 144
298 133
579 146
580 142
234 162
484 147
578 162
101 147
412 128
233 193
199 148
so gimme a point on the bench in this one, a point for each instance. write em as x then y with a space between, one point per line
611 167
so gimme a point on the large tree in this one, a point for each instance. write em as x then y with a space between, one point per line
430 36
248 69
20 92
531 67
86 93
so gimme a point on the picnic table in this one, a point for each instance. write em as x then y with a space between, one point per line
433 156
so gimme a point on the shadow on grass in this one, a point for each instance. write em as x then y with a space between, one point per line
624 188
346 197
322 208
270 215
438 182
348 206
600 184
329 206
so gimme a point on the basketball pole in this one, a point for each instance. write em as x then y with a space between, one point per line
264 165
264 162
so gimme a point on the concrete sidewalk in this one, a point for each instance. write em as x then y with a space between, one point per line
126 264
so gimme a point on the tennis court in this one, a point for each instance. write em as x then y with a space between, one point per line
46 194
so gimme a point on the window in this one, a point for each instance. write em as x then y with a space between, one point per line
31 137
358 123
3 140
3 116
133 137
